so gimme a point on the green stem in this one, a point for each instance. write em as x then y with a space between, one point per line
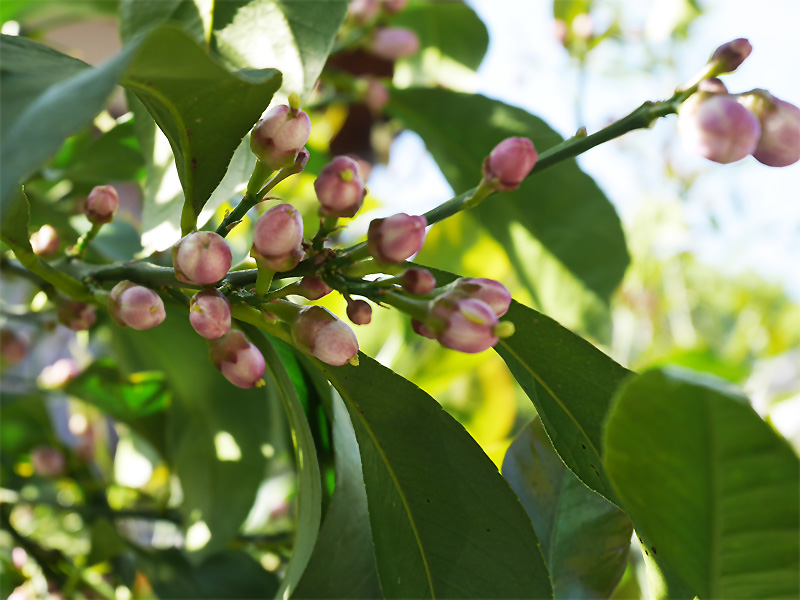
263 280
326 226
61 281
143 273
80 248
416 309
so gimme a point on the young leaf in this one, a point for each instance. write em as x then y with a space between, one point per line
712 489
584 538
444 522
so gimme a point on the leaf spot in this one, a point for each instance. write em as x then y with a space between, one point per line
653 548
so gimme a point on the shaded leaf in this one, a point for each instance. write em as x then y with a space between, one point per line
712 490
114 156
192 16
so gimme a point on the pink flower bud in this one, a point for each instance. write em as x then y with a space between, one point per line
59 373
779 144
376 96
201 258
464 324
239 360
713 85
392 43
278 232
135 306
418 282
394 6
396 238
12 347
46 241
492 292
318 332
19 557
210 314
312 288
420 329
717 127
279 136
48 462
362 12
731 55
359 312
340 189
509 163
101 204
76 315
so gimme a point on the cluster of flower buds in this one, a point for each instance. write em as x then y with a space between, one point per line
280 136
46 241
135 306
101 205
725 128
278 238
201 258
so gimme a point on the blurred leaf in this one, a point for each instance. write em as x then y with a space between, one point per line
563 236
117 241
567 10
343 562
309 495
444 522
25 424
38 15
294 36
139 16
584 538
14 224
114 156
712 490
106 541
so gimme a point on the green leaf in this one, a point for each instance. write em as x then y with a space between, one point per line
712 489
14 224
584 538
563 236
343 563
192 16
114 156
294 36
309 495
444 522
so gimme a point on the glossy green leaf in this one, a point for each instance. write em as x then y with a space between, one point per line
139 16
294 36
444 522
563 237
584 538
343 563
711 488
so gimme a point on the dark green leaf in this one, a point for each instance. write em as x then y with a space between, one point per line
192 16
114 156
712 490
444 522
584 538
563 237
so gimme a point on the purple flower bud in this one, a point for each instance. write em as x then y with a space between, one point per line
492 292
340 189
201 258
318 332
717 127
76 315
376 96
101 204
396 238
464 324
210 314
278 232
359 312
779 144
279 136
12 347
46 241
418 282
135 306
313 288
59 373
394 6
509 163
420 329
239 360
48 462
392 43
362 12
713 85
731 55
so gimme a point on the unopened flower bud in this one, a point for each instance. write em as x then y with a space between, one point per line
418 282
340 189
210 314
731 55
396 238
420 329
717 127
465 324
492 292
279 136
135 306
12 347
59 373
392 43
101 204
76 315
713 85
312 288
279 231
19 558
362 12
201 258
376 96
46 241
359 312
48 462
394 6
779 144
239 360
509 163
321 334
